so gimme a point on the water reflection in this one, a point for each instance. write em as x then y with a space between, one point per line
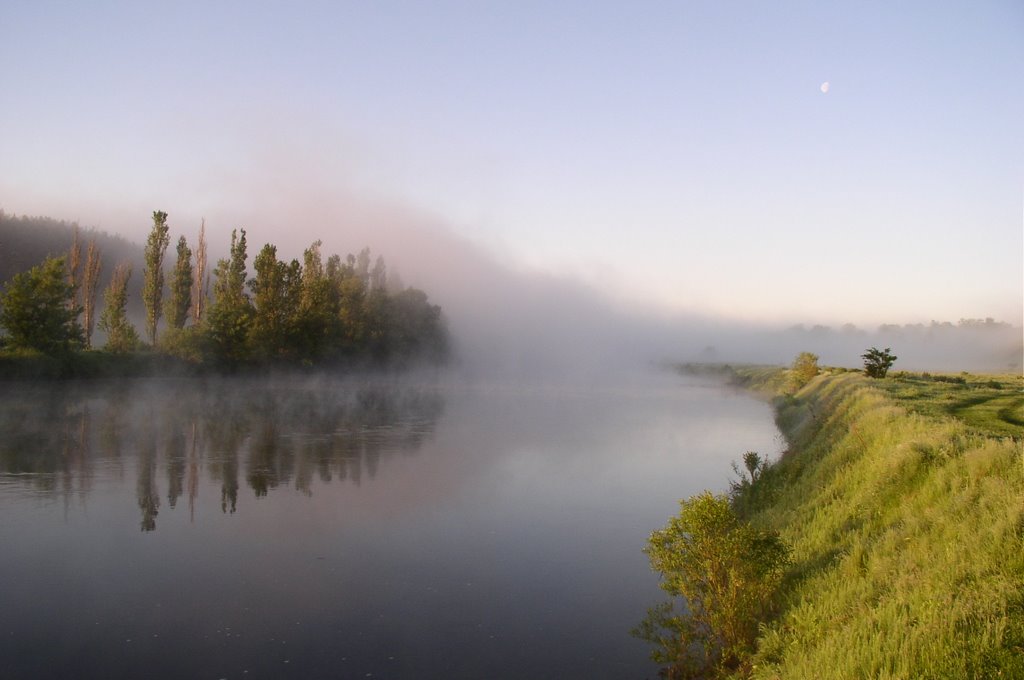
271 434
492 532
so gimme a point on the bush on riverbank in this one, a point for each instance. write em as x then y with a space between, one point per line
724 573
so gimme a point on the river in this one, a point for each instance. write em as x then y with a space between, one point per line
348 528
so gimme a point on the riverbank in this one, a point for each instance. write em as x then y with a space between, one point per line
906 527
101 364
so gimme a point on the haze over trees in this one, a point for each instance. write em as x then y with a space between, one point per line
524 322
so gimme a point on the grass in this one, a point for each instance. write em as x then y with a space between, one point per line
903 502
991 405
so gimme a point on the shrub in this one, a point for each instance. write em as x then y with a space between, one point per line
183 343
804 368
726 572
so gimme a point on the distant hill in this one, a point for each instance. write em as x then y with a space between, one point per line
26 241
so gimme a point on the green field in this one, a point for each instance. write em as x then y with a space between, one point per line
902 500
991 405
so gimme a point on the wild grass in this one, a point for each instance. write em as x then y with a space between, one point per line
904 510
992 405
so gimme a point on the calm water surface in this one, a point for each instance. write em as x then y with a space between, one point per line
322 528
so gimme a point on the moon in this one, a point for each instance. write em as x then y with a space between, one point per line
824 87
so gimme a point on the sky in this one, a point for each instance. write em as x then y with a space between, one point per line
683 157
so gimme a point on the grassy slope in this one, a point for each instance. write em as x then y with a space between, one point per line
908 537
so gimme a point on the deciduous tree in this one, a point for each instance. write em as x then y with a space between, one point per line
74 268
93 266
180 302
275 290
230 314
37 311
201 278
878 362
804 367
153 273
121 335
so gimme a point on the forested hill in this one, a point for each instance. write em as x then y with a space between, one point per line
27 241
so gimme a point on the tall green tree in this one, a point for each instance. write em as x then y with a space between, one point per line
350 290
276 297
318 325
121 335
38 312
180 302
230 314
201 278
153 273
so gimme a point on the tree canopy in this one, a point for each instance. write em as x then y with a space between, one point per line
38 311
877 362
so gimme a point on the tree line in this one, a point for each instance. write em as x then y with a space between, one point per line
312 312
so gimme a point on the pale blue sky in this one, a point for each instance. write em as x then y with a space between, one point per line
680 153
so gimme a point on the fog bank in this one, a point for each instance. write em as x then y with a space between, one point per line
510 320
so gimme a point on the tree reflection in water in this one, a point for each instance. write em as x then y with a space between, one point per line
282 432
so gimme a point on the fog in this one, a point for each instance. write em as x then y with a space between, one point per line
507 319
503 316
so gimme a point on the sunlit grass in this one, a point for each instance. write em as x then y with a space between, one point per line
907 528
987 404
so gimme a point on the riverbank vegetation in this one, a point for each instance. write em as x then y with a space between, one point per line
316 312
901 501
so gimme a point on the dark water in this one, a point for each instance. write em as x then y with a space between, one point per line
346 529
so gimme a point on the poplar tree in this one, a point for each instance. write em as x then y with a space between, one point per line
153 274
74 266
93 265
180 302
200 278
121 335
